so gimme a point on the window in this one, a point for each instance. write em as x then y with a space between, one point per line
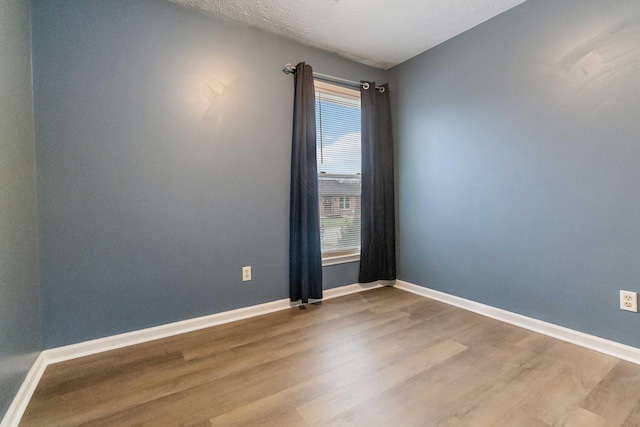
339 175
345 202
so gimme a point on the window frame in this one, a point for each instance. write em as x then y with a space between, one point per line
341 255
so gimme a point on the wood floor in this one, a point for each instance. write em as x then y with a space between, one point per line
383 357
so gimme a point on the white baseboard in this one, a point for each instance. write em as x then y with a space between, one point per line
86 348
612 348
351 289
20 402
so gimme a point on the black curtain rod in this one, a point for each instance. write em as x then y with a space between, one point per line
289 69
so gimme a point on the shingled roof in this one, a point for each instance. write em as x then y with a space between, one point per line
338 187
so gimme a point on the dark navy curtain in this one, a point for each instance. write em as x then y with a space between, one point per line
305 255
378 253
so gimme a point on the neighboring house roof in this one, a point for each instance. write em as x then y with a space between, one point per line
337 187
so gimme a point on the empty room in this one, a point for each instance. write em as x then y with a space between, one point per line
319 213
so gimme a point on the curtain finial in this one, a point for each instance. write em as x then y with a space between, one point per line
288 69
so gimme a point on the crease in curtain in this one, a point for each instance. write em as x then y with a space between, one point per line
305 254
378 248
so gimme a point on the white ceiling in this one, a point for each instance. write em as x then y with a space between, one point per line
381 33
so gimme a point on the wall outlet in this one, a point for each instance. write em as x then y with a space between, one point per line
629 301
246 273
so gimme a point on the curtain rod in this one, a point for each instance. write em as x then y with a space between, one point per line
289 69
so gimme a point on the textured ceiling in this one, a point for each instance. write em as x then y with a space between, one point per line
381 33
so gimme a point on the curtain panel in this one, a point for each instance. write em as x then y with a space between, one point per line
305 255
378 248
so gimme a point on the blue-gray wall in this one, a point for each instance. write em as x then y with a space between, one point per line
19 301
153 188
519 164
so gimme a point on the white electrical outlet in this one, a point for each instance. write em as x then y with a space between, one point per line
629 301
246 273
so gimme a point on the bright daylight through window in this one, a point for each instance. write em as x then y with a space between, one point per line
339 177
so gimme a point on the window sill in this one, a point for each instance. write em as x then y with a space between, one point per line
333 259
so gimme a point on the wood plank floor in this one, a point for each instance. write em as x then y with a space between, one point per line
383 357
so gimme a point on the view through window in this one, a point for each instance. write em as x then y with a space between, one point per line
339 175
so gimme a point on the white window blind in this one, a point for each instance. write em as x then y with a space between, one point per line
339 172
